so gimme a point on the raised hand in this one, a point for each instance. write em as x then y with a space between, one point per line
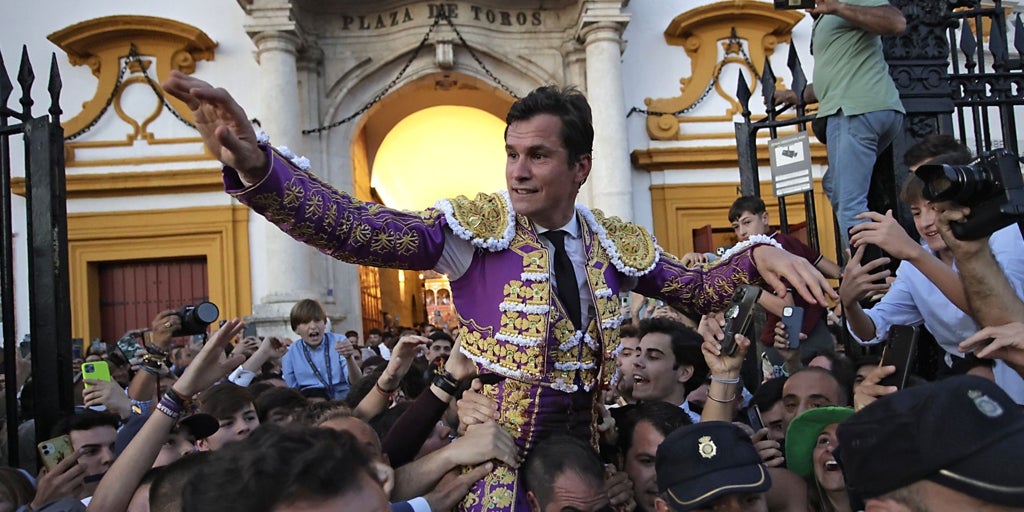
692 259
776 265
225 128
345 349
66 479
246 346
402 357
769 449
483 442
475 408
885 232
860 282
453 487
163 326
870 390
619 488
211 364
460 366
108 394
790 355
1004 342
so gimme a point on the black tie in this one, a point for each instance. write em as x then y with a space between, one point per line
565 278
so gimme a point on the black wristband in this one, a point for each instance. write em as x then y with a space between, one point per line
447 383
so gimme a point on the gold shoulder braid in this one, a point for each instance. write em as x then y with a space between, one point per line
487 220
636 247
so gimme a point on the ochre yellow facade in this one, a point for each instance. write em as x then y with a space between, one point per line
680 209
220 234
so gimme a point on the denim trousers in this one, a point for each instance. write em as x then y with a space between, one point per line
854 143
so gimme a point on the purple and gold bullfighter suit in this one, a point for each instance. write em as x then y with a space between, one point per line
511 322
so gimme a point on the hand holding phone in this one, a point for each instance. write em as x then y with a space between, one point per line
738 316
96 370
900 351
793 319
754 418
52 451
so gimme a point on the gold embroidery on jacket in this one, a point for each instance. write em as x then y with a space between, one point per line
635 245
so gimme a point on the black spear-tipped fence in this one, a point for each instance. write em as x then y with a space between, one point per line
949 80
47 256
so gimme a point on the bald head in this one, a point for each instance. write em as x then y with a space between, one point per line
360 430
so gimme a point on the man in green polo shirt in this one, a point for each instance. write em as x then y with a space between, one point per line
856 95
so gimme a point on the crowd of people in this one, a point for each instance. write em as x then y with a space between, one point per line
550 395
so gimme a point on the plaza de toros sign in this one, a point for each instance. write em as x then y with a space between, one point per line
458 12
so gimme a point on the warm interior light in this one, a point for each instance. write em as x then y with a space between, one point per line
437 152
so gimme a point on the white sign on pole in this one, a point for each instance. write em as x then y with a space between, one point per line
791 164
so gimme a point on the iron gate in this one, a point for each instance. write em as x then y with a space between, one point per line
48 289
951 80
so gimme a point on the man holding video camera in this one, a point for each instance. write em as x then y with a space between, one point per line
973 201
856 96
928 288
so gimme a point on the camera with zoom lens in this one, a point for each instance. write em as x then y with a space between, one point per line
195 319
991 187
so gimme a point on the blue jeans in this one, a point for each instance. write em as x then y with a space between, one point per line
854 144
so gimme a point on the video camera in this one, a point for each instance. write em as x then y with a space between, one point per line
195 319
991 186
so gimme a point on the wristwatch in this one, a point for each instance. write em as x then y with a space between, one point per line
446 382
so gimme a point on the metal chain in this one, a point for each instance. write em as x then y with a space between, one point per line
444 14
106 106
156 89
441 15
703 95
133 56
383 92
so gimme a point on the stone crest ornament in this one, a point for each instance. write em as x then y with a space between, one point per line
706 447
986 405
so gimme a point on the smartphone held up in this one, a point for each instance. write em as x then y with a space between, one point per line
738 316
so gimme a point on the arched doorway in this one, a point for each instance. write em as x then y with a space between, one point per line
436 136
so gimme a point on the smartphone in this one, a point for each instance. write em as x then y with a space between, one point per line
52 451
738 316
96 370
76 349
900 351
249 331
793 319
754 418
869 253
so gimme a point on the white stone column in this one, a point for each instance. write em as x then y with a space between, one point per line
610 179
288 271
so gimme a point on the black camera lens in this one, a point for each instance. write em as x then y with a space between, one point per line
195 319
967 185
87 368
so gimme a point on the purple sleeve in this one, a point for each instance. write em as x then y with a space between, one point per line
412 428
699 290
338 224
